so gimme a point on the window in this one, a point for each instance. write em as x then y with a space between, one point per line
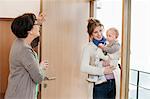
109 12
140 50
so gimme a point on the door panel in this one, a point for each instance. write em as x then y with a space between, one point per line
63 37
6 38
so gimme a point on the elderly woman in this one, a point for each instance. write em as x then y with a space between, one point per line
25 70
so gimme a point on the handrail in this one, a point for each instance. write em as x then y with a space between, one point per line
138 79
140 71
139 86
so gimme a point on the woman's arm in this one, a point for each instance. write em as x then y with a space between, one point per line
85 64
32 65
101 55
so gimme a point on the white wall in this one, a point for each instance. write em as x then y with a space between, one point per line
140 35
13 8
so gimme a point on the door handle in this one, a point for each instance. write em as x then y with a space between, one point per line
48 79
51 78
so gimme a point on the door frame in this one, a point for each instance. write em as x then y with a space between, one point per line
125 48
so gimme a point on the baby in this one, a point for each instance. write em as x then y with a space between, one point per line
113 47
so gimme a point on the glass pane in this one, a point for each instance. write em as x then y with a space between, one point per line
144 80
109 12
144 93
140 47
133 77
132 92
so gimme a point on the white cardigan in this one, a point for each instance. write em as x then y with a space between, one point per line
88 66
88 60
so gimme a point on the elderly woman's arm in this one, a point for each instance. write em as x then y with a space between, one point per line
32 65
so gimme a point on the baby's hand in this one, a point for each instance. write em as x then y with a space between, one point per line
101 45
105 63
108 70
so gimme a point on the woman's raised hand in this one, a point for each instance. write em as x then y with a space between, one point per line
44 64
41 18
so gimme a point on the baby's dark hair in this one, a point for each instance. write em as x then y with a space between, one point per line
92 24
